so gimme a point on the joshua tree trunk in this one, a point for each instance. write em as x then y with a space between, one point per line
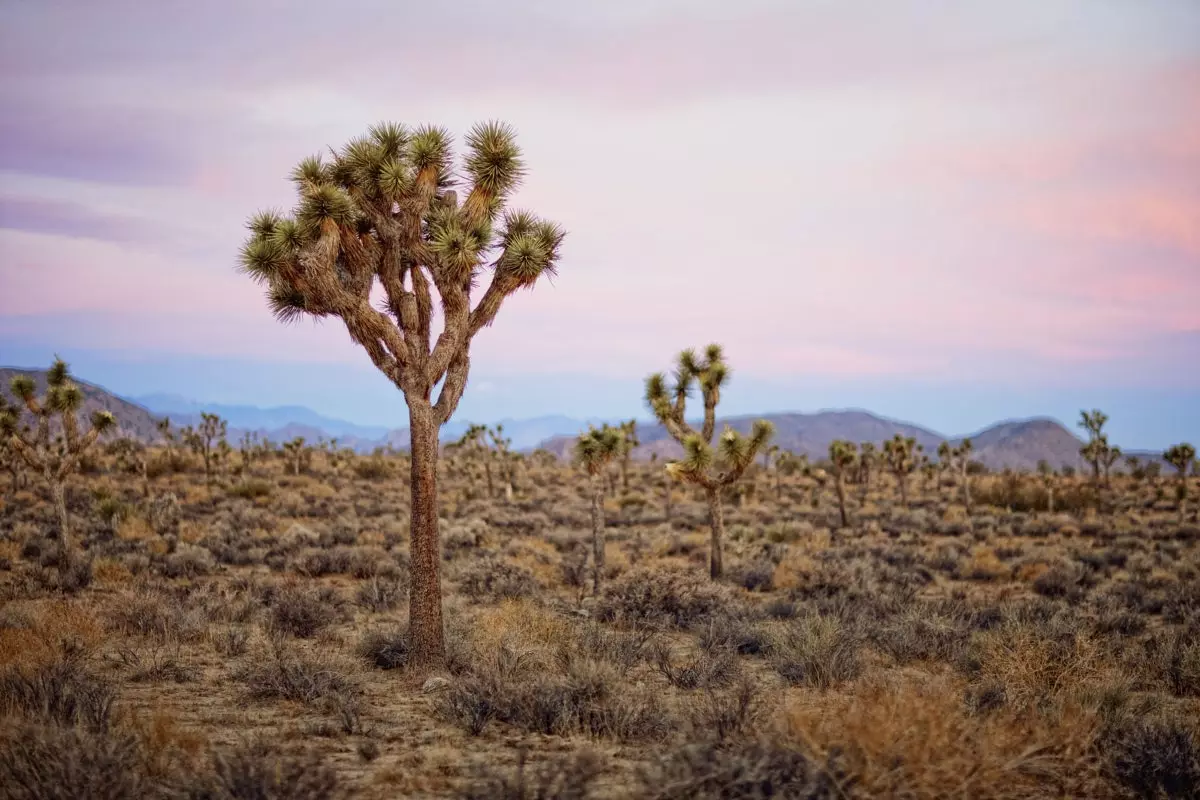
59 491
903 481
425 593
597 487
716 516
841 495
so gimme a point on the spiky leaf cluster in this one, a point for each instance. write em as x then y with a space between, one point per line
386 210
596 449
842 456
1180 456
702 464
901 454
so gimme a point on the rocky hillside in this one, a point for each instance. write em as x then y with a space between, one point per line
1018 444
132 419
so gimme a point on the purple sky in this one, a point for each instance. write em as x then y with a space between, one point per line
957 193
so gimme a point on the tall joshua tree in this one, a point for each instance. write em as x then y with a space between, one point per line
204 441
54 457
594 451
387 210
700 465
843 456
1181 457
1095 450
901 453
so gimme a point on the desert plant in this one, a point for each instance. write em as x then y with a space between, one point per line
842 457
594 451
1097 444
10 459
203 441
385 210
1048 479
297 454
1181 456
629 442
700 465
54 458
901 454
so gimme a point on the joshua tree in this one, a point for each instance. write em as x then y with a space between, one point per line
1097 445
8 454
248 448
712 472
960 461
385 210
54 458
594 451
130 456
296 453
501 443
204 440
786 464
474 445
1048 477
868 456
164 428
1110 456
901 455
843 456
629 441
1181 456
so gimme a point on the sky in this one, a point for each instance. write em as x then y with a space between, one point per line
950 213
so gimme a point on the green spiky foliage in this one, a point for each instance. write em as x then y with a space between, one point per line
902 454
868 459
595 450
394 210
843 458
55 458
711 468
204 440
1182 457
10 460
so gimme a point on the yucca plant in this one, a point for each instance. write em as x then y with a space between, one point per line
10 459
843 458
387 211
130 457
54 458
901 454
629 442
700 465
1048 481
594 451
1182 457
1094 450
203 441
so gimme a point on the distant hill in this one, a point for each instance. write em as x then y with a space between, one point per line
132 419
1018 444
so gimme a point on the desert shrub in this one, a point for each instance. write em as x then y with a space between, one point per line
382 594
156 615
815 651
743 636
251 489
41 761
318 562
303 612
921 634
1155 759
259 770
623 650
496 579
722 715
748 769
385 650
1064 581
64 691
569 777
188 561
286 675
708 669
375 468
1175 657
756 576
674 598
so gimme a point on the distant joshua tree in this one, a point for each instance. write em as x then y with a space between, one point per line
1096 450
297 454
843 457
629 442
712 472
1048 480
204 441
1182 457
385 211
901 454
594 451
54 458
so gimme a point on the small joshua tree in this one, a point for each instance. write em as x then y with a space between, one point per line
1181 456
474 445
54 458
1095 449
1048 479
960 462
504 457
204 440
386 211
712 472
130 455
295 453
629 442
901 454
843 456
594 451
9 457
868 457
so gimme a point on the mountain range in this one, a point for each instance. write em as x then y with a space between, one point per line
1018 444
